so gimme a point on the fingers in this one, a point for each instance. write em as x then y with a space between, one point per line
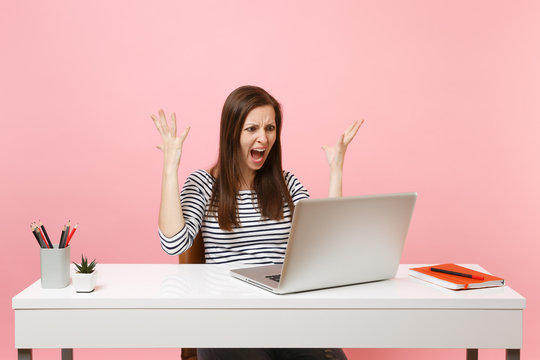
162 125
157 123
163 120
184 134
351 126
350 133
168 134
341 139
173 124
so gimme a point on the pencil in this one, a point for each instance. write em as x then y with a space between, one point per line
471 276
35 235
45 246
43 237
62 237
67 233
46 235
68 226
41 241
71 235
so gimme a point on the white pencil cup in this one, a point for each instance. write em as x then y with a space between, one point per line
55 267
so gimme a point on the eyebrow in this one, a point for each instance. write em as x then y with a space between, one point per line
257 124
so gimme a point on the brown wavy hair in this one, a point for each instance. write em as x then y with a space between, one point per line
269 182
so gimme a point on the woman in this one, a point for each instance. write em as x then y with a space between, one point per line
244 204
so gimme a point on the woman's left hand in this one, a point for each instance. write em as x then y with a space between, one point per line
336 154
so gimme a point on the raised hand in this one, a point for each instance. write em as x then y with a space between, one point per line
336 154
172 145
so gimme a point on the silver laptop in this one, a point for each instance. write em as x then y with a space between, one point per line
338 241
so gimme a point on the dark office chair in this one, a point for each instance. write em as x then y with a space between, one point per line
194 255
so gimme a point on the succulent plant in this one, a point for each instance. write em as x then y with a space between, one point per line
85 267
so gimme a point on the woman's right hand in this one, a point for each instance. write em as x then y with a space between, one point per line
172 145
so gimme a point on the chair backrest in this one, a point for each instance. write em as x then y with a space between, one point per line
194 255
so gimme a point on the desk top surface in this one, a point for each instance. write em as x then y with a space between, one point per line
171 286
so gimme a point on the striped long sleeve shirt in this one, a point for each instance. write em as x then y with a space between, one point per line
256 241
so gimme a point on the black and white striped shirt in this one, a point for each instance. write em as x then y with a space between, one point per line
255 241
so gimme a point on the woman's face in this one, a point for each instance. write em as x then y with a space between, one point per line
257 138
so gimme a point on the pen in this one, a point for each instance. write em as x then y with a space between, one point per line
477 277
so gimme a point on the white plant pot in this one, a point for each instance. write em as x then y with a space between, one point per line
84 282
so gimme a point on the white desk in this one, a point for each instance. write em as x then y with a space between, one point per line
145 306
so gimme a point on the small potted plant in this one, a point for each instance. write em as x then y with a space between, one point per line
84 279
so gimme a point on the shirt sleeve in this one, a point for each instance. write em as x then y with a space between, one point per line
296 189
194 198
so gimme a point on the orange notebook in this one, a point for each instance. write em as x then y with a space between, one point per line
455 282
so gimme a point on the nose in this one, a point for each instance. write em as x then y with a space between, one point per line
261 136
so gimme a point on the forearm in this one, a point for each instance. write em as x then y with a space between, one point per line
336 156
171 219
336 180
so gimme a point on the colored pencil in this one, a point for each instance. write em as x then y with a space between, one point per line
71 235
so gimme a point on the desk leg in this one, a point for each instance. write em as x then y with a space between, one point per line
472 354
24 354
67 354
512 354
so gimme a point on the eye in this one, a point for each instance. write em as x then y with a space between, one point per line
251 129
270 128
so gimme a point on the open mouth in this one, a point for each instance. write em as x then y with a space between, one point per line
257 155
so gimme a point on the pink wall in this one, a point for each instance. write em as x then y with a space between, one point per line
449 91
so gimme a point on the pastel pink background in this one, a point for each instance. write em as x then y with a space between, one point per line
449 90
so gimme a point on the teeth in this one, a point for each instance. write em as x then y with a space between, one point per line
259 150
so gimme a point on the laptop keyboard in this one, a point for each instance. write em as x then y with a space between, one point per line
274 277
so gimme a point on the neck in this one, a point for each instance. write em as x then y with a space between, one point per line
246 179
